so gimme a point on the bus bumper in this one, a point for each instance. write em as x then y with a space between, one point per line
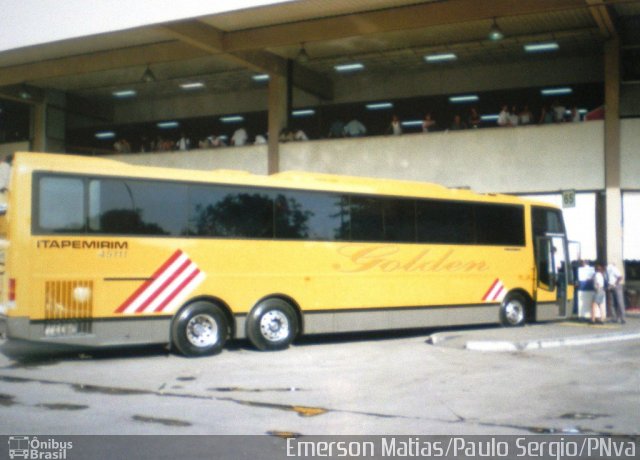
3 326
23 335
14 327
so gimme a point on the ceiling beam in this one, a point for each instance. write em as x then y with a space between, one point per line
211 40
22 93
396 19
98 61
603 17
196 34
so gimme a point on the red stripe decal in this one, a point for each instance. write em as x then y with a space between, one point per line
163 286
146 284
486 296
177 290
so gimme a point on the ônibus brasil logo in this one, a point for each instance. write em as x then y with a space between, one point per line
33 448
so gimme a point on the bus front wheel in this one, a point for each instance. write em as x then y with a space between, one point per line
200 329
272 325
513 312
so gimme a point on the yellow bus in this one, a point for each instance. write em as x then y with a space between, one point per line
101 253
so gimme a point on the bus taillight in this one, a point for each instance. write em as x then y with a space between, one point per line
12 289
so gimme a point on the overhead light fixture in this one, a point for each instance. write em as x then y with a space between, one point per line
380 106
192 85
303 113
261 77
122 94
440 57
168 124
541 47
24 92
463 99
490 117
105 135
303 56
353 67
411 123
495 33
232 119
148 76
556 91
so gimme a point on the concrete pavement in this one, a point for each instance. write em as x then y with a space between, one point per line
539 336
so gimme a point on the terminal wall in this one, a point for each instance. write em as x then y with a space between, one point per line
516 160
509 160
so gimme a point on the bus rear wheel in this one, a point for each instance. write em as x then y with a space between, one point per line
513 312
200 329
272 325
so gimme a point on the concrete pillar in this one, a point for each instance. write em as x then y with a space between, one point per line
613 194
38 127
278 115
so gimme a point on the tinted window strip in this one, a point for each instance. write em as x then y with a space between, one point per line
457 222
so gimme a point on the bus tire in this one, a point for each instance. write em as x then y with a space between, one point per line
272 325
200 329
513 311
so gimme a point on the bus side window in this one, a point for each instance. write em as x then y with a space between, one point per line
445 222
59 205
132 207
230 212
366 219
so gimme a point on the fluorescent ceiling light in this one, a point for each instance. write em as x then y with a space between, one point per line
463 99
192 85
303 113
491 117
168 124
105 135
441 57
495 33
410 123
124 93
556 91
380 106
541 47
232 119
261 77
353 67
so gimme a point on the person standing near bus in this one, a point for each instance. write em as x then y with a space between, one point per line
599 297
616 293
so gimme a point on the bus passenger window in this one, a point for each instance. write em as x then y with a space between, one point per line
445 222
509 232
400 220
230 212
366 219
130 207
60 205
311 215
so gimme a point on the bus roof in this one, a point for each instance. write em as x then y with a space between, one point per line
76 164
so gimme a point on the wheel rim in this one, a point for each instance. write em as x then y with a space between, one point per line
274 326
202 331
514 312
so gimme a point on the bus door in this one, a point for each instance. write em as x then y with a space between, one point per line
554 275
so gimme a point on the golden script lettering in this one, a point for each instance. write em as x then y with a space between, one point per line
391 259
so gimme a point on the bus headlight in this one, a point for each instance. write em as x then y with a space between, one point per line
81 294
